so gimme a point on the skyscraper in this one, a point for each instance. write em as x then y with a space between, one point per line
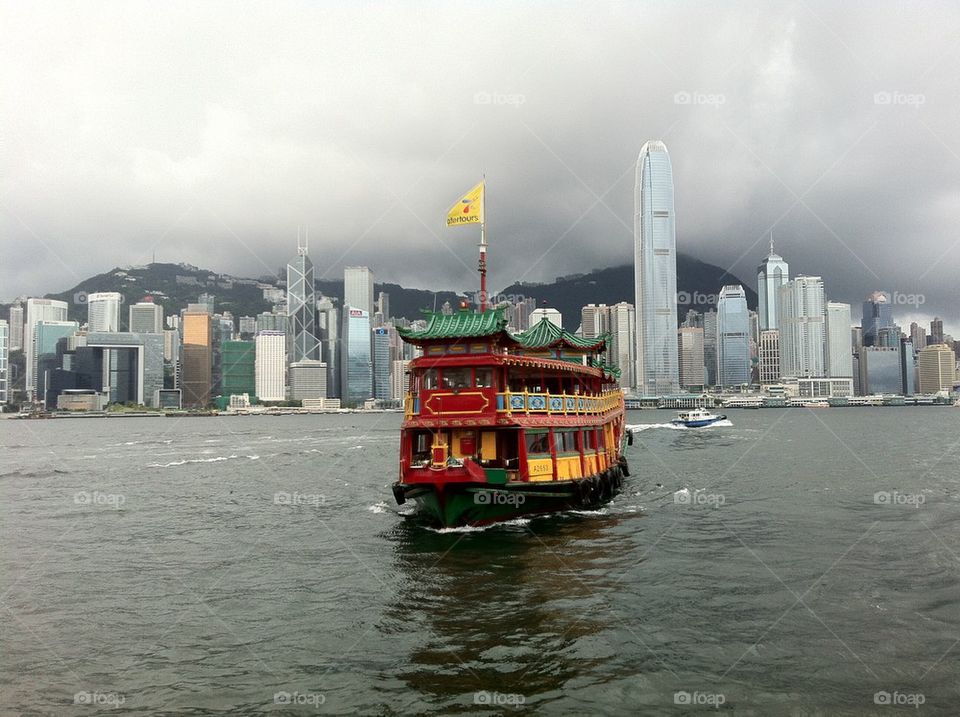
936 331
4 354
37 310
238 368
551 315
655 272
197 357
145 317
768 353
938 368
381 363
710 347
594 320
271 366
328 327
690 348
877 315
356 367
839 347
103 311
16 327
801 323
772 273
301 308
358 289
308 380
733 337
622 351
918 336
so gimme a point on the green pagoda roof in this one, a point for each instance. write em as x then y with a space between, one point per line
546 334
460 325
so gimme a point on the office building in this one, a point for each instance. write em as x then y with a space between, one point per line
400 379
248 327
655 272
768 354
938 368
936 331
622 348
710 347
145 317
800 318
238 368
918 336
270 370
131 365
382 366
772 273
356 366
690 354
16 327
877 315
46 336
733 337
551 315
594 320
839 347
103 311
358 289
302 340
4 361
196 372
328 325
908 367
308 380
37 310
880 370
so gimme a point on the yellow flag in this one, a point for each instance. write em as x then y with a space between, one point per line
469 210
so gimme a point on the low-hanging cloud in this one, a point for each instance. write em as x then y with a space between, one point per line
207 133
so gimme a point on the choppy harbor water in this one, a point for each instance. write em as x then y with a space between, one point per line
797 562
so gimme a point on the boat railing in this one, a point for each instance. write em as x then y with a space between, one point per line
536 403
557 404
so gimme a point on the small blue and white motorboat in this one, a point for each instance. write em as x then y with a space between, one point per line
696 418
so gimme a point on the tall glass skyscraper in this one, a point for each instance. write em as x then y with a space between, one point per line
877 315
772 273
302 342
655 272
733 337
358 289
356 367
838 358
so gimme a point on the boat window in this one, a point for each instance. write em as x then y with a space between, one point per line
421 443
516 383
456 377
566 441
430 379
538 443
603 438
484 378
590 439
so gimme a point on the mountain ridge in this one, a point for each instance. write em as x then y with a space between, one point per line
175 285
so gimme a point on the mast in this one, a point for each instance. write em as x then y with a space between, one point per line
482 267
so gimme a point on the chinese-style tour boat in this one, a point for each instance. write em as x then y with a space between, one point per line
499 425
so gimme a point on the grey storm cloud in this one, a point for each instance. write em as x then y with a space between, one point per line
206 133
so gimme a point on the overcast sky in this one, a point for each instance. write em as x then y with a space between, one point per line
206 133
